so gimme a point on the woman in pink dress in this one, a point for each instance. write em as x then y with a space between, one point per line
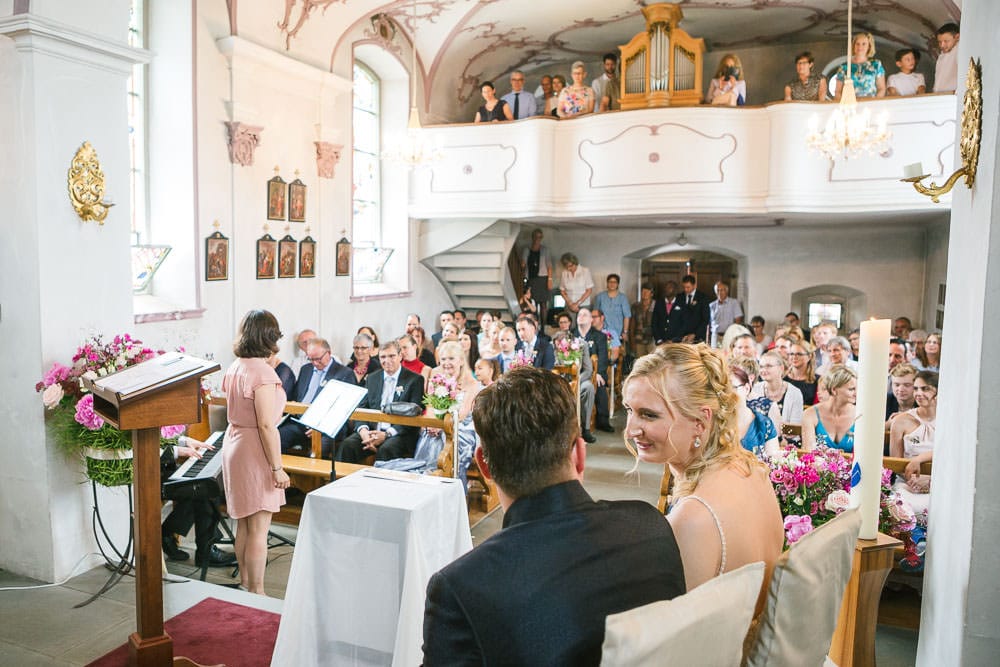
251 454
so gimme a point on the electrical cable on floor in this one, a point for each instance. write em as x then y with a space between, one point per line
57 583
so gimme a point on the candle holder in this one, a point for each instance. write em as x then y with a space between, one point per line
972 122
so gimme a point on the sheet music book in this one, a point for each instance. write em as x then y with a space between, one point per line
154 371
331 409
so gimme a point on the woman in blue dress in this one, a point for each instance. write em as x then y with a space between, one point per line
831 421
432 440
756 430
867 73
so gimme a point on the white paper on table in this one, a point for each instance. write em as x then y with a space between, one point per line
149 373
331 409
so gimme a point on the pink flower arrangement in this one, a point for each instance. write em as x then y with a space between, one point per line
522 357
568 351
796 527
442 394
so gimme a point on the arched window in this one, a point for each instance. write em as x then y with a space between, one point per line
367 198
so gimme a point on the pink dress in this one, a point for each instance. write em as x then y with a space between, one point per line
246 473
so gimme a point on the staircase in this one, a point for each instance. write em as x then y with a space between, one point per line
474 269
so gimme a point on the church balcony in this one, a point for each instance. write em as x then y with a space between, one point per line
697 162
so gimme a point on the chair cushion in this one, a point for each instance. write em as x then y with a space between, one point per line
804 596
706 626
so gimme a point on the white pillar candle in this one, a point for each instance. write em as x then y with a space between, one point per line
869 431
913 170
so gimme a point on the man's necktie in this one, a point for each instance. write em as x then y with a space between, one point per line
689 299
517 105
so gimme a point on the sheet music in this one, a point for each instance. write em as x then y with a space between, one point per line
149 373
332 407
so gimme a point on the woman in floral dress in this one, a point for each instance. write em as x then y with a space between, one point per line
577 99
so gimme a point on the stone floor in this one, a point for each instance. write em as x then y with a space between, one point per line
40 628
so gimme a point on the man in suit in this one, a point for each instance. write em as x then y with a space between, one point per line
386 441
444 318
662 308
527 331
508 349
690 316
312 378
597 344
538 591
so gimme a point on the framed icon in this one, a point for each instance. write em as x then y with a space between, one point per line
267 252
276 199
216 257
307 258
287 256
296 201
343 257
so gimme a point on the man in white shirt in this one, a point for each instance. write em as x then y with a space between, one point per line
724 312
946 69
301 342
520 101
607 88
543 93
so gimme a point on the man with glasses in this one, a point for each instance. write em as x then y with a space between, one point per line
322 368
390 385
521 102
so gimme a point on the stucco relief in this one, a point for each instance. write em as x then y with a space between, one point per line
243 141
656 155
327 157
929 142
473 168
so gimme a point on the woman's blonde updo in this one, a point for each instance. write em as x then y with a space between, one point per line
688 378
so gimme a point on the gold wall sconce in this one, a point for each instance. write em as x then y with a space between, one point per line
86 186
972 124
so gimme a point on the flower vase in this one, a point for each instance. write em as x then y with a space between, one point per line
439 414
108 467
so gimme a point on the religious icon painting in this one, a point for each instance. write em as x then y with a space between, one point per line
287 256
216 257
296 201
343 257
267 253
276 199
307 258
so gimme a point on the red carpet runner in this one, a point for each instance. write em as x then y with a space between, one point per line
213 632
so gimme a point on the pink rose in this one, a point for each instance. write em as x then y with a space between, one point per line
901 511
796 527
85 415
52 395
838 501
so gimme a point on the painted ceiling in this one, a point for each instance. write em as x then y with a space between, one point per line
462 42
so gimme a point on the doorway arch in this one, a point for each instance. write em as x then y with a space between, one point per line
710 263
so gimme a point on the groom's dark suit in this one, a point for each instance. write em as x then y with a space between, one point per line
401 440
538 591
292 433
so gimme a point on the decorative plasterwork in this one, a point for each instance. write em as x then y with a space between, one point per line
243 141
927 142
327 157
474 168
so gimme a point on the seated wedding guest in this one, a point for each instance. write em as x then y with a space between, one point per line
757 432
597 346
946 67
775 396
854 338
543 356
806 86
579 98
538 591
489 344
912 437
614 342
760 338
838 353
409 359
467 340
575 284
897 353
585 380
493 109
285 374
682 412
412 322
461 321
487 371
900 398
449 332
299 358
426 355
742 346
552 103
312 378
728 87
527 301
831 421
485 319
363 364
800 370
931 361
432 440
821 335
508 343
444 318
915 345
564 321
906 81
867 72
901 327
782 343
374 337
386 441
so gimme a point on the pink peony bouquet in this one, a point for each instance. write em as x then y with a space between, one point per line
77 428
568 351
442 393
522 358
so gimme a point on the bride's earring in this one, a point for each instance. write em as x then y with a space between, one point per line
697 442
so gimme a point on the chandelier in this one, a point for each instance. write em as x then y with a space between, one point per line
416 149
849 133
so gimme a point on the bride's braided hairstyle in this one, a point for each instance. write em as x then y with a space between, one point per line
687 378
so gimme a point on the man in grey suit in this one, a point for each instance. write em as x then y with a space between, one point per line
538 591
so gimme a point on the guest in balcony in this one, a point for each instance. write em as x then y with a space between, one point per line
552 103
543 94
866 72
520 101
906 81
607 88
728 87
946 68
494 109
806 86
576 284
579 98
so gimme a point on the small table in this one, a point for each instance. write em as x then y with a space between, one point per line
367 546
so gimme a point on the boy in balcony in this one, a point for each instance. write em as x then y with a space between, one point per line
906 81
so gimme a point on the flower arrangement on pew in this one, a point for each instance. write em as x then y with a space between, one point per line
813 487
76 427
522 358
568 351
443 394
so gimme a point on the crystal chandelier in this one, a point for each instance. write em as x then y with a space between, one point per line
849 133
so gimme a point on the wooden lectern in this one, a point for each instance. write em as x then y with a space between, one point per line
142 398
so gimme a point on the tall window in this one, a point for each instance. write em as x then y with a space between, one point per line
367 227
137 95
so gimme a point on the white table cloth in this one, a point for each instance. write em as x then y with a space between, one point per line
367 546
